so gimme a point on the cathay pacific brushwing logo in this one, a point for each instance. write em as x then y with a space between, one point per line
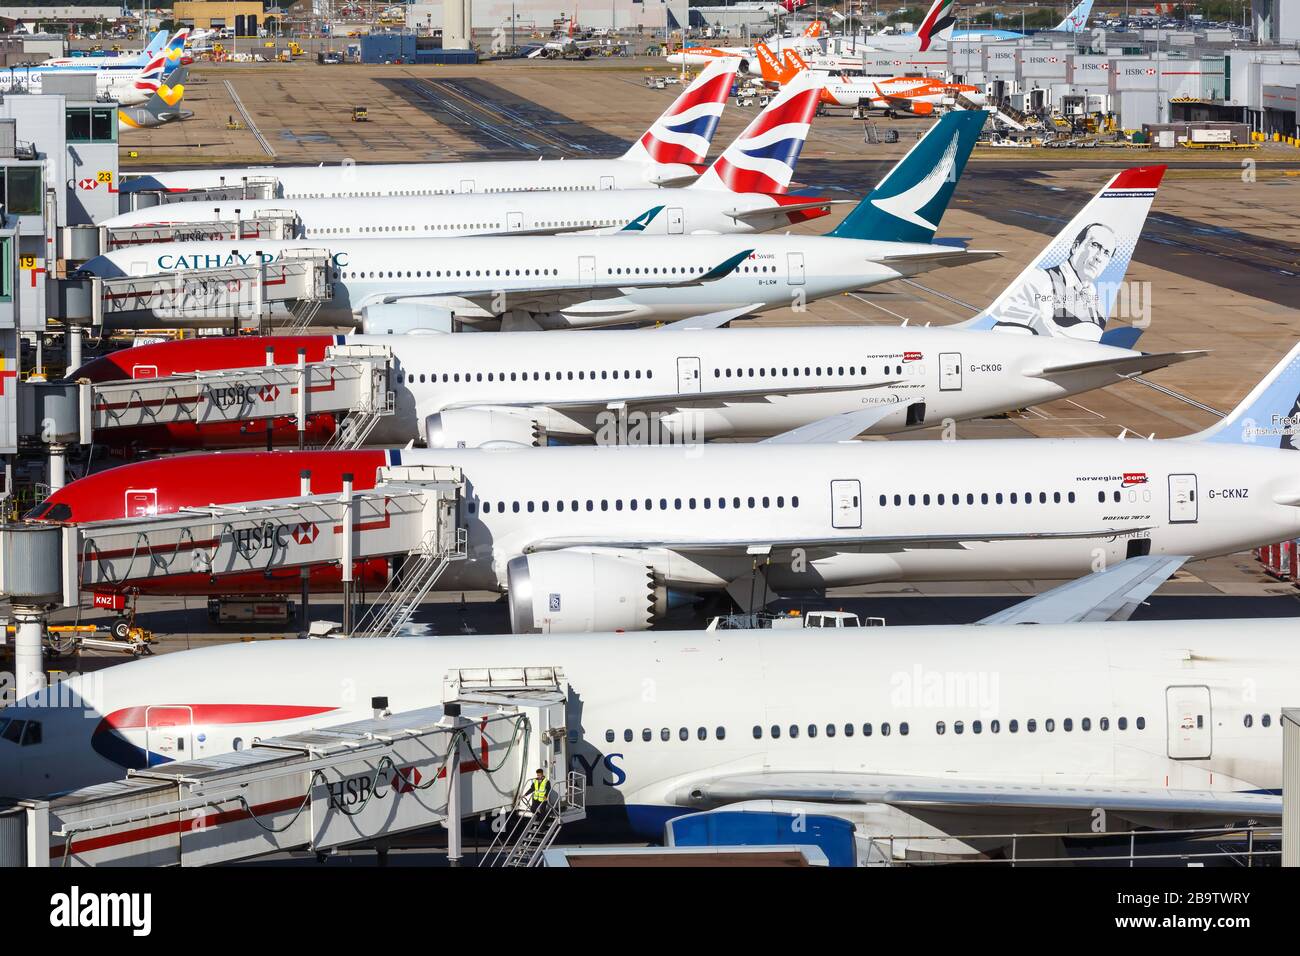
640 223
908 204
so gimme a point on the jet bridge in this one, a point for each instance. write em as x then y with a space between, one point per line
262 224
239 295
412 511
137 193
352 380
355 784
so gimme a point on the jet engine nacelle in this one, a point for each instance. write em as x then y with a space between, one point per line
475 427
578 591
395 318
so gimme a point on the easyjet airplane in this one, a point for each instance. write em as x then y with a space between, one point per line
742 56
1131 724
918 95
535 387
612 533
670 153
744 190
554 282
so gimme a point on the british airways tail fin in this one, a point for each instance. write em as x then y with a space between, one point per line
1070 289
763 157
908 203
685 130
1269 416
1076 21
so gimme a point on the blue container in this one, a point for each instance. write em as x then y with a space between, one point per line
718 828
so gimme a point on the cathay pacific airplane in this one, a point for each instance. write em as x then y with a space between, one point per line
744 190
924 734
610 533
535 387
558 282
670 153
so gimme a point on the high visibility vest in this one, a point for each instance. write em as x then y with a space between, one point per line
540 789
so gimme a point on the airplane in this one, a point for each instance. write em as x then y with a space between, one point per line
565 47
743 191
400 285
1166 724
917 95
670 153
617 534
743 55
125 87
935 30
161 108
448 393
1076 21
173 50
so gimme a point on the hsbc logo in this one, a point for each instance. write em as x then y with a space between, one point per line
305 532
269 393
87 184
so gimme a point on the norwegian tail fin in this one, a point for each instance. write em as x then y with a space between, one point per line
685 130
1070 289
1269 416
763 157
908 203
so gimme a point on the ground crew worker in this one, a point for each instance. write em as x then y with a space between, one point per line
541 792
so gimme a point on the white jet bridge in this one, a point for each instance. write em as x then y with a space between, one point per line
412 515
355 784
260 224
352 381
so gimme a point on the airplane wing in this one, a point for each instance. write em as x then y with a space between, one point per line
848 542
932 793
1110 595
560 294
843 427
938 260
711 320
681 399
1123 366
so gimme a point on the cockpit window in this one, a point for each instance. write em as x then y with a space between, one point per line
32 733
12 731
45 511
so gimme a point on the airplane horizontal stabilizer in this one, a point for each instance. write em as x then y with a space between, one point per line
929 792
1123 365
1110 595
748 215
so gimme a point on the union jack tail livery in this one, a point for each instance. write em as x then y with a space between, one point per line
937 25
762 158
150 78
685 130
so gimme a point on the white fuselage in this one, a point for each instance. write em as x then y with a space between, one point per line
1049 508
537 377
677 212
1091 704
433 179
121 86
780 271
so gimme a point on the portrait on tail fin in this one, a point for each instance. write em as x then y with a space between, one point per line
1064 299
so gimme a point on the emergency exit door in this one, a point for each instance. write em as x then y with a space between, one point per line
950 371
846 503
514 221
794 265
168 733
688 375
1188 715
1182 499
675 221
467 185
586 270
606 182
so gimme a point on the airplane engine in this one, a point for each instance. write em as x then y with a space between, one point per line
577 591
475 427
393 318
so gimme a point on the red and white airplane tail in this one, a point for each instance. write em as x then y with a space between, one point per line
685 131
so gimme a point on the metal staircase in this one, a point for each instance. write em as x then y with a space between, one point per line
356 428
418 573
303 312
528 835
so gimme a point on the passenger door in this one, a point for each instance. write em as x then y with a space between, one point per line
846 503
688 376
467 185
168 732
1188 715
675 222
586 270
1182 499
514 221
794 264
141 501
950 371
606 182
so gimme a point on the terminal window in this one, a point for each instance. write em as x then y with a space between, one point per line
22 188
91 125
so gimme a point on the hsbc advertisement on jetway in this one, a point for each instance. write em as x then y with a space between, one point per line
1000 59
1089 73
1042 65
